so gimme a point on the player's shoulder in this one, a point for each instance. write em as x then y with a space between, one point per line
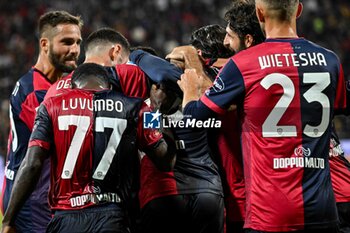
117 95
59 85
23 87
70 94
27 78
128 68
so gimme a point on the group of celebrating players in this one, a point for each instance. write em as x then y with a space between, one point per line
82 158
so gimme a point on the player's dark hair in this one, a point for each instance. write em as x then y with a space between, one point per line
51 19
106 35
88 71
242 19
209 39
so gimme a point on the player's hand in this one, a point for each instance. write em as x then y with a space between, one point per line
178 53
190 83
8 229
187 57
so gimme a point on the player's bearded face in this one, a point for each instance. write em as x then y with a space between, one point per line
63 62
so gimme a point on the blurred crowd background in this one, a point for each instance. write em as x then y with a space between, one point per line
161 24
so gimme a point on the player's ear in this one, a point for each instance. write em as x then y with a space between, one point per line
248 40
111 53
300 9
44 44
114 51
260 14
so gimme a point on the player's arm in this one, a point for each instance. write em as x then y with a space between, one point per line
227 89
163 152
31 166
156 68
159 145
25 182
189 58
20 126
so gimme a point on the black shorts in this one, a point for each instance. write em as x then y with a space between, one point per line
234 227
344 216
188 213
102 219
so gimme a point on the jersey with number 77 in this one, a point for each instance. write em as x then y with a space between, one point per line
93 137
287 90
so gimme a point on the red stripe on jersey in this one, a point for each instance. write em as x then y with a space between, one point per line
40 143
340 99
210 104
274 196
340 175
155 183
28 112
40 81
133 80
229 148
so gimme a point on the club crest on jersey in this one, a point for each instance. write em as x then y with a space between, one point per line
151 120
301 151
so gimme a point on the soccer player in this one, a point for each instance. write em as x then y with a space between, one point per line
161 197
242 31
59 42
190 198
91 134
286 89
109 48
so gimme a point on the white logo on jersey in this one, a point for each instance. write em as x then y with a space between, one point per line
218 84
302 158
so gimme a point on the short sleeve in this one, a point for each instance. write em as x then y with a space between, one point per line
227 89
42 134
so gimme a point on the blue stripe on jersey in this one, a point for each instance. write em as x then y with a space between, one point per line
228 87
22 89
315 63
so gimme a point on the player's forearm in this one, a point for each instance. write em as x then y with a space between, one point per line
25 182
156 68
163 154
170 156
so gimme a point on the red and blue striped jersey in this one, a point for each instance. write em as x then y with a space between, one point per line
130 78
93 141
287 90
26 97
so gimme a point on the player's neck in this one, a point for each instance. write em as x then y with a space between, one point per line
275 29
98 60
46 68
